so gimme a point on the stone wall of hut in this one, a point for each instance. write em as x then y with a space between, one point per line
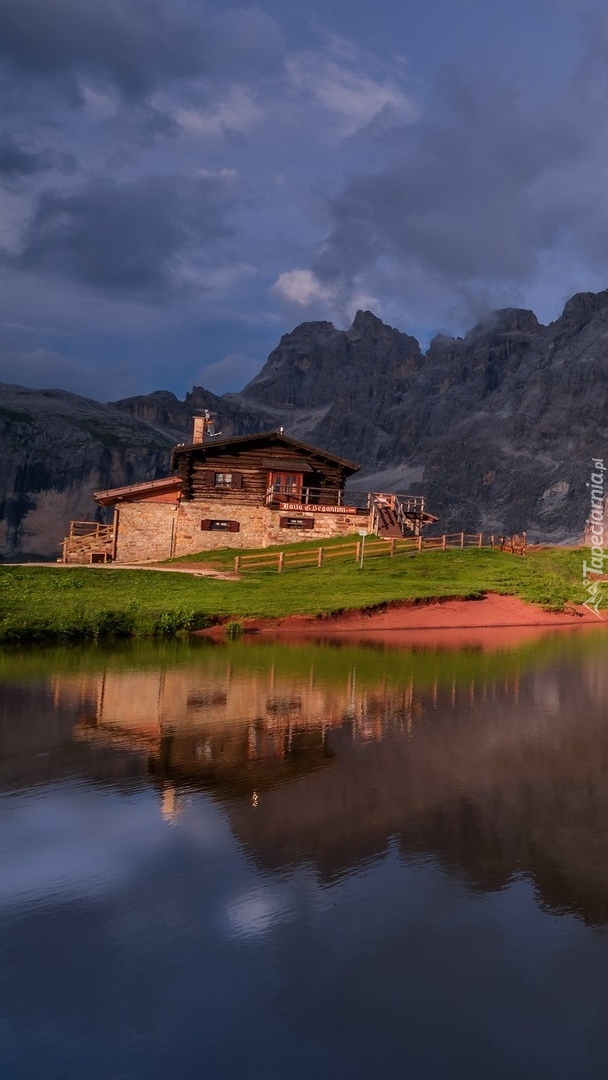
150 531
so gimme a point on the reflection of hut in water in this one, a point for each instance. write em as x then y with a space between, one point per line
229 732
160 701
493 777
238 762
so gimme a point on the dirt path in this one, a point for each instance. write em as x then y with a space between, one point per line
194 569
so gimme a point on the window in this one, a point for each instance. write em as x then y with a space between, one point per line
227 481
287 483
222 479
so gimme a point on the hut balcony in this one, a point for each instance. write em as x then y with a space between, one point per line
279 494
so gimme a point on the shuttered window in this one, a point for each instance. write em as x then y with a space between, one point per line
231 480
297 522
220 525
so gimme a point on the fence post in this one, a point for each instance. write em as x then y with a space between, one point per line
443 542
320 557
358 551
492 541
462 539
392 546
237 562
480 539
280 562
419 542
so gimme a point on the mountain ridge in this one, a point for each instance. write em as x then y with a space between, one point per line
498 427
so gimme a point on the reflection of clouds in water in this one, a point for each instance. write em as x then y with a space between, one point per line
258 910
69 841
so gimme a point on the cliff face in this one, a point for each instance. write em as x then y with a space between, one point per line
310 364
58 448
498 428
338 388
501 425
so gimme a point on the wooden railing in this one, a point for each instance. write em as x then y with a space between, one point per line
411 504
407 506
280 561
314 496
92 529
88 541
404 507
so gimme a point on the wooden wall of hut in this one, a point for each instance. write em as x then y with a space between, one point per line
250 470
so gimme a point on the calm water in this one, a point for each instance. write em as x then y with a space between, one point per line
252 860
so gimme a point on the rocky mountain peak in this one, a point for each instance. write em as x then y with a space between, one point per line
506 321
316 364
581 308
365 321
517 320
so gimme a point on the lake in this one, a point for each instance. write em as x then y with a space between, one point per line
307 860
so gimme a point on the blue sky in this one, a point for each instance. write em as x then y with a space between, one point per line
182 182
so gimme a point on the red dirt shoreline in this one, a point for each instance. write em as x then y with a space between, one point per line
491 621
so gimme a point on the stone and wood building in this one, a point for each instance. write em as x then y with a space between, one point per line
248 491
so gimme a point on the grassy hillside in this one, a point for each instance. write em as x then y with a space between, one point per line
62 604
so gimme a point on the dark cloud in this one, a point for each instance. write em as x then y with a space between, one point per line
17 163
425 198
134 45
466 194
129 43
126 238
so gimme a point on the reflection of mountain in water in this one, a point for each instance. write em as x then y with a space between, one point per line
493 776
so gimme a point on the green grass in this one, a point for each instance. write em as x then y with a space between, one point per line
223 558
46 604
55 604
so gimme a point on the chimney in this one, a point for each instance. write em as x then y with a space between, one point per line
199 427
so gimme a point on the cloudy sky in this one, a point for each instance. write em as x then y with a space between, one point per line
183 181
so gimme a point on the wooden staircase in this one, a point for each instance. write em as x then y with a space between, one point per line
88 542
398 515
388 523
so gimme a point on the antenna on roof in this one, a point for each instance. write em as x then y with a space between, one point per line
204 426
211 432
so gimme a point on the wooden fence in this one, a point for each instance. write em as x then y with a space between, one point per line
279 561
